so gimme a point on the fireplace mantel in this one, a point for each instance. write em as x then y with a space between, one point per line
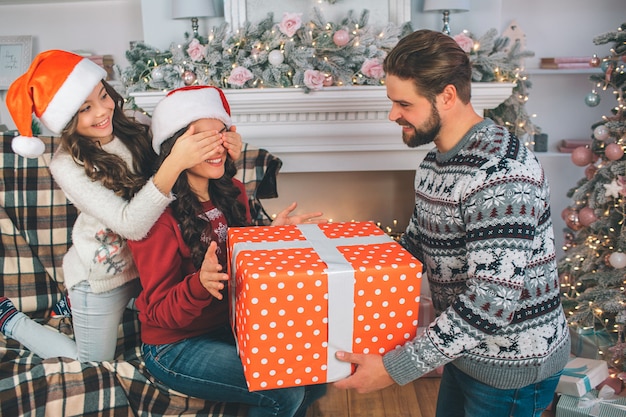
334 129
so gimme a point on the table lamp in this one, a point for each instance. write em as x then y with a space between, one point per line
447 7
185 9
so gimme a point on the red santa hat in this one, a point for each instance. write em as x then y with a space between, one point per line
54 87
184 106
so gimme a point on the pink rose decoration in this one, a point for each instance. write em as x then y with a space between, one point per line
239 76
373 68
196 50
314 79
465 42
290 24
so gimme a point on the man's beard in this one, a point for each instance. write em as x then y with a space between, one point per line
424 135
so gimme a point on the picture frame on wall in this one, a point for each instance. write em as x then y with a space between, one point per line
15 58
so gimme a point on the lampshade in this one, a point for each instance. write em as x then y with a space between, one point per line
186 9
446 7
454 6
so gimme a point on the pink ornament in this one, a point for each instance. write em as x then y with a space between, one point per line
566 212
601 132
613 152
341 37
590 171
572 221
189 77
582 156
586 216
617 260
328 81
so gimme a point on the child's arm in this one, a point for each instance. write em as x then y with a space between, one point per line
284 219
189 150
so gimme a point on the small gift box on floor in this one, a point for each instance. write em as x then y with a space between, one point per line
301 293
603 403
581 375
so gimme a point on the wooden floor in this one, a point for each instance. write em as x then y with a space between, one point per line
417 399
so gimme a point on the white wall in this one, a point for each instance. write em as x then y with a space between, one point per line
553 28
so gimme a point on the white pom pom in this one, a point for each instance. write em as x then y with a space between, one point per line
28 147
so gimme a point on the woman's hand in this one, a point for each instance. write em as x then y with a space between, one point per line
284 219
193 148
231 140
210 276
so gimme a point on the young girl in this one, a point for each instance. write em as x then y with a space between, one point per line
105 167
187 341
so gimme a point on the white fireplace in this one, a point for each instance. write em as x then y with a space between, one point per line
331 130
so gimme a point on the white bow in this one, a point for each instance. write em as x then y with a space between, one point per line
606 395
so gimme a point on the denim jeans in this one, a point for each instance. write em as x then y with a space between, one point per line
209 367
463 396
95 320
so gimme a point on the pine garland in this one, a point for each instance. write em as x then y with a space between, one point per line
319 53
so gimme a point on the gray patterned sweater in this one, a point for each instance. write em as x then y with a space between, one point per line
482 228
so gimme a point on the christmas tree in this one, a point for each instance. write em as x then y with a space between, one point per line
593 270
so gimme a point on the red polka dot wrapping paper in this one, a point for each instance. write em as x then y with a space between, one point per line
300 293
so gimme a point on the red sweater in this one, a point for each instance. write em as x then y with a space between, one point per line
173 304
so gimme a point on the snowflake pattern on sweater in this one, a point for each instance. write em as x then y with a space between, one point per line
483 230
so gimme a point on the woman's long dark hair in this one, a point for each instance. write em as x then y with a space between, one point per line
109 169
187 208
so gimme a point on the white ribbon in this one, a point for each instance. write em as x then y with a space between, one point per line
606 396
340 286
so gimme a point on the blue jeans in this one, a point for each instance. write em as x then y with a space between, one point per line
463 396
209 367
95 320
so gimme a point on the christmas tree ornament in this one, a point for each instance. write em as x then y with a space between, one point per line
592 99
601 132
329 81
618 260
582 156
613 152
590 171
189 77
157 74
276 57
572 221
595 61
565 213
341 37
586 216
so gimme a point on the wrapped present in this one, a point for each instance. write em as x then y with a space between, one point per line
589 342
581 375
301 293
603 403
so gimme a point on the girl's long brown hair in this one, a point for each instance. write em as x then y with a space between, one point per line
187 208
109 169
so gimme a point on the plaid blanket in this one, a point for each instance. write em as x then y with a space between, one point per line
35 233
257 170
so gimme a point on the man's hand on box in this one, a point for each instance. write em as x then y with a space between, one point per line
370 374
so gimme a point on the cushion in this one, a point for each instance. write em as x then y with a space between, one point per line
35 231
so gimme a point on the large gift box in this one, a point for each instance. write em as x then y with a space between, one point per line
301 293
603 403
590 343
581 375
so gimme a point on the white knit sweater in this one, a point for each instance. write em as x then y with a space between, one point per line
482 228
99 253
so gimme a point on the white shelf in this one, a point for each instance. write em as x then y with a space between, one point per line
542 71
334 129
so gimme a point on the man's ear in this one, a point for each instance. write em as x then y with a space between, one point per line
448 97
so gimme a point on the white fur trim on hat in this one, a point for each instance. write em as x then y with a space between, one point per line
72 94
54 88
184 106
28 147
